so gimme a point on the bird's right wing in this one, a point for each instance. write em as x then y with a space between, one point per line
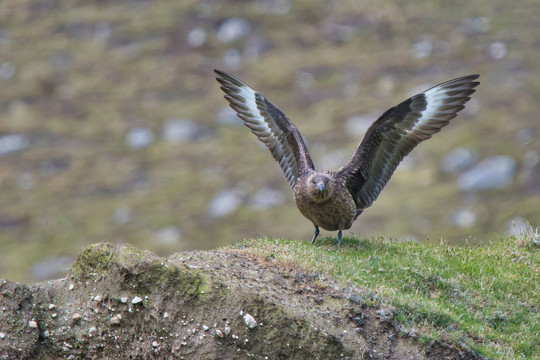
270 126
397 132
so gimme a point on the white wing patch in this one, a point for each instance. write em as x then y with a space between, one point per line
252 109
434 101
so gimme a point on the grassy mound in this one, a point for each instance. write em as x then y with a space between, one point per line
485 298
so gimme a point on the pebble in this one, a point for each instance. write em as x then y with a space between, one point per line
32 324
76 317
227 330
115 320
219 333
98 298
2 335
124 300
136 300
250 321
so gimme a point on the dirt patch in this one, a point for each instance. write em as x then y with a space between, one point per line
118 302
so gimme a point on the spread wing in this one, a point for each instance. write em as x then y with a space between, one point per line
397 132
270 126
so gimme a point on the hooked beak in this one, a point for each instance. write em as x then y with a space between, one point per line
320 186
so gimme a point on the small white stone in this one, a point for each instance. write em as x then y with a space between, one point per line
124 299
71 286
51 306
76 317
2 335
165 315
205 328
98 298
115 320
227 330
54 315
219 333
155 344
32 324
136 300
250 321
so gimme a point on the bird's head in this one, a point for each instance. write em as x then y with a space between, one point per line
320 186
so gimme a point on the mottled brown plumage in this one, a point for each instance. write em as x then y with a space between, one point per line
333 200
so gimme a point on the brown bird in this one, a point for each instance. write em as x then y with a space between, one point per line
334 199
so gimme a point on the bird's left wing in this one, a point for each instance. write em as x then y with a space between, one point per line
270 126
397 132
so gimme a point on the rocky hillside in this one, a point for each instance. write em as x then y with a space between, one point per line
113 127
119 302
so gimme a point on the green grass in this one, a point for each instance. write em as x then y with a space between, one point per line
485 298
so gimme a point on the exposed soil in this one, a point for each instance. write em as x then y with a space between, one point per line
118 302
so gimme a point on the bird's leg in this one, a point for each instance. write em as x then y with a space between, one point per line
316 234
339 234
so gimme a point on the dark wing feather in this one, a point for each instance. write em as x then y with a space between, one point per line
270 126
397 132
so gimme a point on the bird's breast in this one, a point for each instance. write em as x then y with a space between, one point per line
335 213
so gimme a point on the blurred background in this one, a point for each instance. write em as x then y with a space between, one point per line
113 129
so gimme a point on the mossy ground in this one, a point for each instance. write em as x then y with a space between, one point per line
482 297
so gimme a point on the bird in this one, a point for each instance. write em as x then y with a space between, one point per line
333 200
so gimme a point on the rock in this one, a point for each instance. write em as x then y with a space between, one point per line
497 50
7 70
177 131
463 218
357 125
102 30
457 160
227 116
139 137
250 321
305 79
492 173
233 29
266 197
136 300
25 181
169 235
51 267
196 37
518 226
225 202
232 59
122 215
476 25
50 167
422 49
13 143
